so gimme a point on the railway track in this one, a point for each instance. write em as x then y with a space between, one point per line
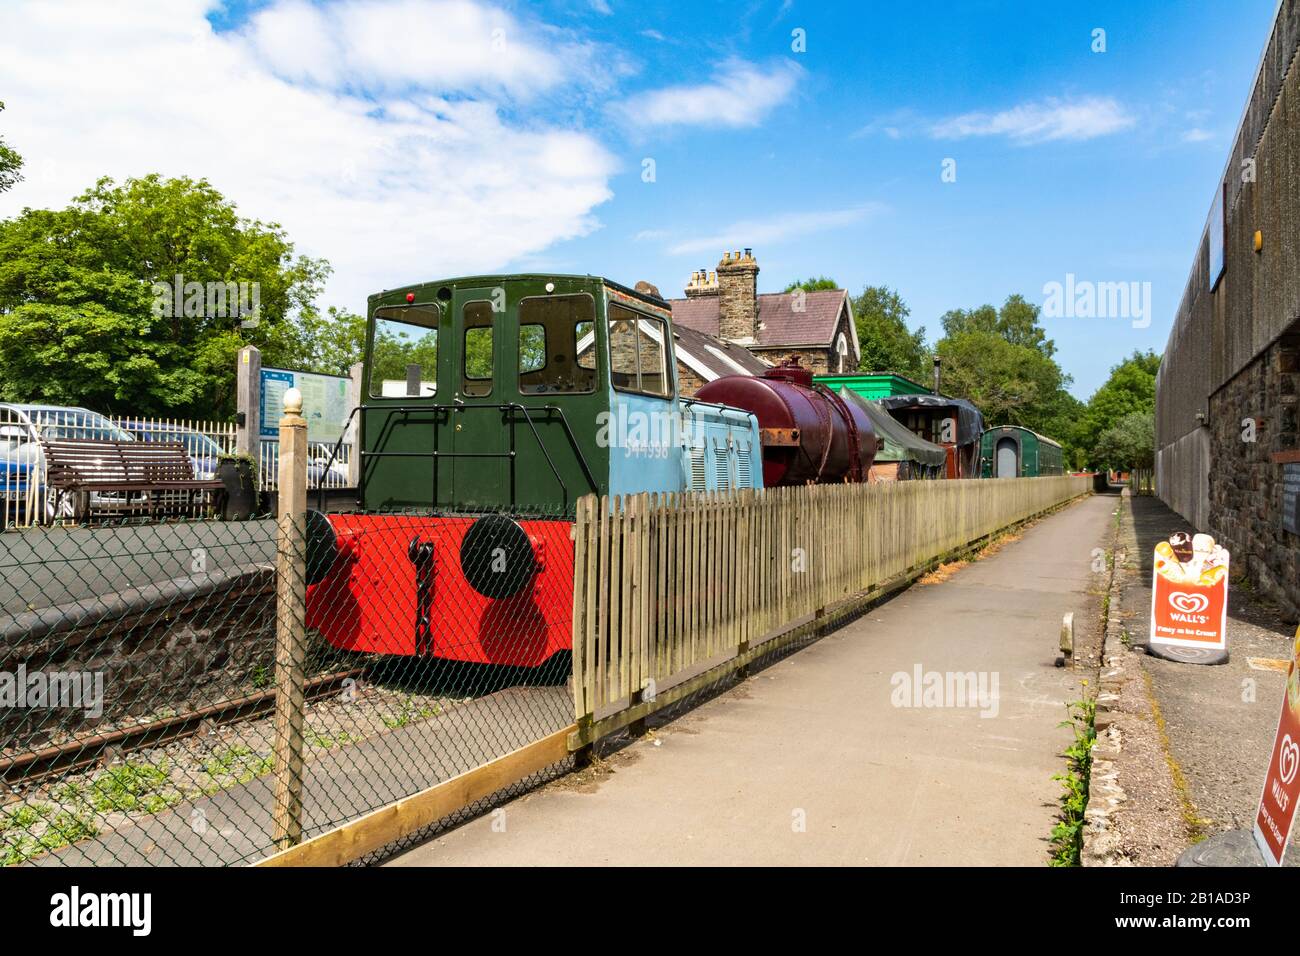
90 749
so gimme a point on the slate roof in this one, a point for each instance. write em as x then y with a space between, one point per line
711 358
780 326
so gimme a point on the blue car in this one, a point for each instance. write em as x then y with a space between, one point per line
22 460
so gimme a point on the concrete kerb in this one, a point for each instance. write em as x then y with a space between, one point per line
1105 794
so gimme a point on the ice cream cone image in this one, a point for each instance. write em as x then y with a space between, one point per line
1212 576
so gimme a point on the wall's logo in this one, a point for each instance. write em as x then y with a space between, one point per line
1188 603
1288 759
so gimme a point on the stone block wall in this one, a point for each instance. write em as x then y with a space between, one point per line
1245 484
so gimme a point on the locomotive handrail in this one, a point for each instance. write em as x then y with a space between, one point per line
334 454
436 454
582 460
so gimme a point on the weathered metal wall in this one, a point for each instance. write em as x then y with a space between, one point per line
1217 334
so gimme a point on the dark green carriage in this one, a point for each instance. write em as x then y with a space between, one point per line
1013 451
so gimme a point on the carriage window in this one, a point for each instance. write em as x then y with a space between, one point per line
637 354
404 352
557 348
476 357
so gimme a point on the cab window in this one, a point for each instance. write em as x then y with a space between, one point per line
638 355
404 352
557 345
476 371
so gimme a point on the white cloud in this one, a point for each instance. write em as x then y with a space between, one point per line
396 44
1043 121
601 7
1197 135
739 94
779 228
421 177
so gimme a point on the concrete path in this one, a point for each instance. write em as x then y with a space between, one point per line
810 761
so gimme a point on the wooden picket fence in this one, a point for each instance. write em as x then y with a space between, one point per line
666 586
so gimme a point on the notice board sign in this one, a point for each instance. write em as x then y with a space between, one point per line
1189 592
1277 803
324 403
1291 497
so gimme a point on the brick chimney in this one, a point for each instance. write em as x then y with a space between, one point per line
738 297
702 284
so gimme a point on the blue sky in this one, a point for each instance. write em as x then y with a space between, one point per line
407 140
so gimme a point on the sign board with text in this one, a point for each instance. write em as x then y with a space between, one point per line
1291 496
324 403
1277 803
1189 592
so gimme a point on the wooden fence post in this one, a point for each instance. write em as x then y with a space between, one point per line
248 391
290 626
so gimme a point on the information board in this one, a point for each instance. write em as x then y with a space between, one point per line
1291 496
324 403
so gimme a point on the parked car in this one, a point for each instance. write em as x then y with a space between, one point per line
203 451
318 458
22 459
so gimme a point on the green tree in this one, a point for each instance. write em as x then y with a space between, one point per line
1002 360
1010 384
1016 322
331 343
88 299
1127 444
1131 387
11 164
818 284
886 343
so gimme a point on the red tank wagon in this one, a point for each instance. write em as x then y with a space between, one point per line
809 434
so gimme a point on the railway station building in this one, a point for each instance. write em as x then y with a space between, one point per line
726 305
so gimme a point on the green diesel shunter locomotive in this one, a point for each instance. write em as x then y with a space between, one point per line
491 405
1013 451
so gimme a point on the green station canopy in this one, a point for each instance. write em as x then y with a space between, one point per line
900 443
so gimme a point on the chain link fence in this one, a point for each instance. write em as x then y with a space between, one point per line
142 663
205 692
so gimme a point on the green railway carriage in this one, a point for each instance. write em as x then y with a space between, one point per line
1013 451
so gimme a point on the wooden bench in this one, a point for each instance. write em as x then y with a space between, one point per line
149 476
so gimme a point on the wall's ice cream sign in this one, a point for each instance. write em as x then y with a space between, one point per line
1277 803
1189 592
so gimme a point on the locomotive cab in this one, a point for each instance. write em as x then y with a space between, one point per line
492 404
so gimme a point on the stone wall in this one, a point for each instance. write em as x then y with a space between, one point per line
819 360
168 658
737 297
1245 483
688 380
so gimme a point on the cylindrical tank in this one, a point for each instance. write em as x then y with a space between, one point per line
808 433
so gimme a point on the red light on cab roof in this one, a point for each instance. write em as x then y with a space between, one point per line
410 297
